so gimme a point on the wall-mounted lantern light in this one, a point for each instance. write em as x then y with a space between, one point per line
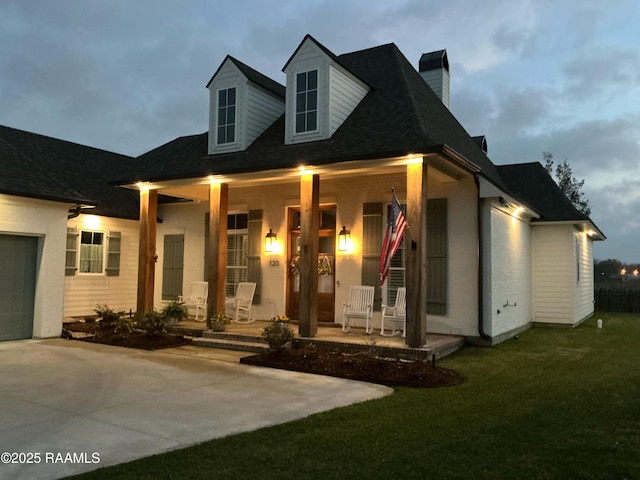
270 241
344 239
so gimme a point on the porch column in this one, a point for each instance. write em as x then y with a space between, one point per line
217 248
309 248
147 250
416 250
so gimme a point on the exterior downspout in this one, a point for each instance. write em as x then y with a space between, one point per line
481 330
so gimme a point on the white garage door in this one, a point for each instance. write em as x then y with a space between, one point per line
17 286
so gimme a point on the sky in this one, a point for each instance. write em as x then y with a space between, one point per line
533 76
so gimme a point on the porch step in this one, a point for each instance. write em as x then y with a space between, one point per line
233 336
228 344
439 348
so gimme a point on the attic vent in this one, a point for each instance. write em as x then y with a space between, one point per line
481 141
434 69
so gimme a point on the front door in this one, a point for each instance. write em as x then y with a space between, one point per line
326 264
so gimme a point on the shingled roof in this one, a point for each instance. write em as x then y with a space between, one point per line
531 183
399 115
42 167
254 76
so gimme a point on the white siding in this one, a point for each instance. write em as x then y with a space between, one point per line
84 292
554 274
507 289
47 221
256 109
188 220
228 76
262 110
584 288
338 93
462 301
438 80
345 94
309 57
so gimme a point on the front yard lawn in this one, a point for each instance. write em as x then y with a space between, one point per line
553 404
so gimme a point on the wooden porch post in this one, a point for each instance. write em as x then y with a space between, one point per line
309 248
147 250
217 248
416 249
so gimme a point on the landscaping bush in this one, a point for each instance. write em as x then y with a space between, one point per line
278 333
152 323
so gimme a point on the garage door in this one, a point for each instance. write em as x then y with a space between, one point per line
17 286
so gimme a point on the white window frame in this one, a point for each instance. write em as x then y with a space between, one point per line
80 252
306 111
237 273
227 125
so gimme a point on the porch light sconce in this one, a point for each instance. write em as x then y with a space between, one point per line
344 239
270 241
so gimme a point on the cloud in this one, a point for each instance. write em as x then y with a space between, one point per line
558 76
603 72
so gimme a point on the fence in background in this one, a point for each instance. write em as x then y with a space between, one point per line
617 300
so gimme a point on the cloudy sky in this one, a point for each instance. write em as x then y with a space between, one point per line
532 75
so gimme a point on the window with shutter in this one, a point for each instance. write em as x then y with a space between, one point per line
244 243
91 252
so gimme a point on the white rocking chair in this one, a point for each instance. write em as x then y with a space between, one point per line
197 298
396 315
240 305
360 306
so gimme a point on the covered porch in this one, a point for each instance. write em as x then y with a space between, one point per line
289 203
247 337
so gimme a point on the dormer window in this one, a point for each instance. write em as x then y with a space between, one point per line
226 116
307 101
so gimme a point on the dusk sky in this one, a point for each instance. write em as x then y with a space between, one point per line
533 76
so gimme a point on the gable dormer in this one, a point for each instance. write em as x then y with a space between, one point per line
243 103
321 93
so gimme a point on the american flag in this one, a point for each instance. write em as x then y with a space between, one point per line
396 226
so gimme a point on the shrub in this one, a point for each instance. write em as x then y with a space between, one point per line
108 316
152 323
123 325
278 333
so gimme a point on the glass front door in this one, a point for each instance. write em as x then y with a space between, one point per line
326 264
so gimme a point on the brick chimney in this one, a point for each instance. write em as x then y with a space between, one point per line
434 69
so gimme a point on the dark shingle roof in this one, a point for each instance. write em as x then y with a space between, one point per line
399 115
43 167
531 183
254 76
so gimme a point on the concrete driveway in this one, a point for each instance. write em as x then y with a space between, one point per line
68 407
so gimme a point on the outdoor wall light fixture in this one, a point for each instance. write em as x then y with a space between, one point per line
270 242
344 240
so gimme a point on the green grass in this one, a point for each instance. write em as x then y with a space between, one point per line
552 404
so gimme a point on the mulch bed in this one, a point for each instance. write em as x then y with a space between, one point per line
361 366
393 373
106 335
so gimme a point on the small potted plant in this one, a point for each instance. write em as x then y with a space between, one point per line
220 321
174 312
